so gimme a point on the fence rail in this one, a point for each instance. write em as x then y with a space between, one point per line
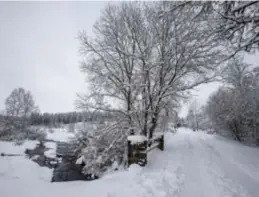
138 149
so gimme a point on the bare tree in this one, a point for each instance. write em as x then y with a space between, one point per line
144 62
236 72
19 105
194 116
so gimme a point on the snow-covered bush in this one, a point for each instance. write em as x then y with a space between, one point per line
19 106
14 131
101 147
35 134
234 109
8 130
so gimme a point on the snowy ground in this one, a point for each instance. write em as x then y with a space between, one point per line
192 165
60 134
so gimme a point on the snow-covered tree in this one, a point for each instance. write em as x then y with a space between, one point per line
144 62
141 63
194 116
235 108
20 103
19 106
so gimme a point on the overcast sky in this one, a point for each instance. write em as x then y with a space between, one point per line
39 51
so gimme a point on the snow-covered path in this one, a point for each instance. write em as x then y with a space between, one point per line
202 165
213 166
193 164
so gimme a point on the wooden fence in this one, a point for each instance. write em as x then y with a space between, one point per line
138 149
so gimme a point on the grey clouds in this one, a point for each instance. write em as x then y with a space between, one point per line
39 51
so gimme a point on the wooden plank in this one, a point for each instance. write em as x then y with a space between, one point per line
154 145
155 138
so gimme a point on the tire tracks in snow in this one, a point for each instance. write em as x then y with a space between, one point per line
197 181
188 167
223 183
163 176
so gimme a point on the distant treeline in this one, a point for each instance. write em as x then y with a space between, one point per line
66 118
55 119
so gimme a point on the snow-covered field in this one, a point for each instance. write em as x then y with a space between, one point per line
193 164
60 134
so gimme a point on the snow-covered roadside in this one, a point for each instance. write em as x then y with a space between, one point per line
19 167
193 164
11 148
35 180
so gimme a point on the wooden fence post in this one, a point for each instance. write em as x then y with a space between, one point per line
138 147
161 143
130 153
137 152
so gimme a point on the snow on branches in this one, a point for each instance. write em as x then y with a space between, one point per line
141 63
106 145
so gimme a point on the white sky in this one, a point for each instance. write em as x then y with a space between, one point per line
39 51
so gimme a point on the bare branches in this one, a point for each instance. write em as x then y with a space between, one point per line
142 62
238 22
20 103
143 58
